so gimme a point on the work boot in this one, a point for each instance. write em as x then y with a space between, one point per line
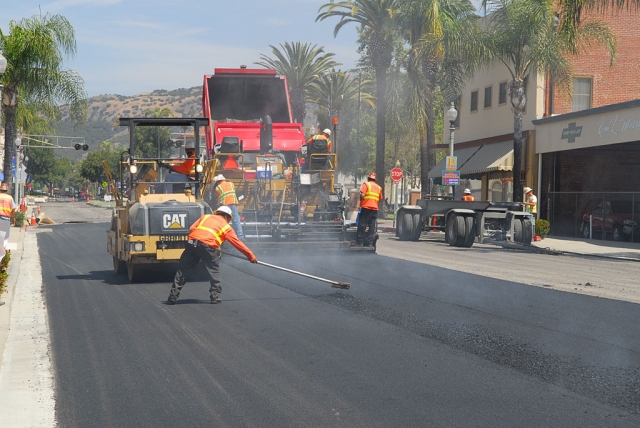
171 300
216 300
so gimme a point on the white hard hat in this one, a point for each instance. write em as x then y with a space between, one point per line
190 145
219 177
467 191
327 131
527 189
224 210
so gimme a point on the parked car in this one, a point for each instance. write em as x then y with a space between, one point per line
616 219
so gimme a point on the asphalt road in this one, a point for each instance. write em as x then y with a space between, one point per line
410 344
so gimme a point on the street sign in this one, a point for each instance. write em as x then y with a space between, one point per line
396 181
451 178
452 163
396 175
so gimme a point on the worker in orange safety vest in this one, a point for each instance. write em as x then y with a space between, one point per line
205 238
227 196
370 197
183 172
466 196
7 207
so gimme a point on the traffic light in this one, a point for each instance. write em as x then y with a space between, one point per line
84 147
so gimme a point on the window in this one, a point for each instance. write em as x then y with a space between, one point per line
502 96
581 94
487 96
474 101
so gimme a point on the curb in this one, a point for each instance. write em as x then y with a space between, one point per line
12 281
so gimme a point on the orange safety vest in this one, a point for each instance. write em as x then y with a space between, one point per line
468 198
320 137
372 195
188 167
6 205
211 230
226 193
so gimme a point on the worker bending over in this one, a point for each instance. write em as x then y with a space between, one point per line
205 238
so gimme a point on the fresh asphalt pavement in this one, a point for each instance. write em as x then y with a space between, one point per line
410 344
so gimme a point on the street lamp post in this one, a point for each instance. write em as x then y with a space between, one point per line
3 67
452 115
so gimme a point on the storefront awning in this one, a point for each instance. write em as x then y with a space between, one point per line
463 156
491 157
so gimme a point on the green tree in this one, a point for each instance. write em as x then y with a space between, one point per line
150 139
303 65
439 34
378 27
42 163
35 49
91 168
523 36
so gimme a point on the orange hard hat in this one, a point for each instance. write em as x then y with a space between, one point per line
371 176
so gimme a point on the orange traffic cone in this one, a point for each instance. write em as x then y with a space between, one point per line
38 209
435 222
73 199
88 198
33 219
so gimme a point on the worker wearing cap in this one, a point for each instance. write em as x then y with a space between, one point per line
7 207
184 171
227 196
466 196
205 238
530 202
370 197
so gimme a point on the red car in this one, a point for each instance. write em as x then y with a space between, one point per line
616 219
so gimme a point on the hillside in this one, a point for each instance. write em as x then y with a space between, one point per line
104 110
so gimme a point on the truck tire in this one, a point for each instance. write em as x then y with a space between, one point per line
417 227
517 229
118 265
399 225
527 231
132 272
470 231
455 230
407 230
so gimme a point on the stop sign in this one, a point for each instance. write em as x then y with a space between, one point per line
396 174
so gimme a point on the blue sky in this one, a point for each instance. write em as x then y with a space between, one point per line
135 46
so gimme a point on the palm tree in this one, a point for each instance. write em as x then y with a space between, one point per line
438 34
303 65
35 49
522 35
378 27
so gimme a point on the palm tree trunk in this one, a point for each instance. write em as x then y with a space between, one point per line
381 111
517 155
298 104
9 146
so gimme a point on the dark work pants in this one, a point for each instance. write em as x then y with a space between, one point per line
366 218
189 260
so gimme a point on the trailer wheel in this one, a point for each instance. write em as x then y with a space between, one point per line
517 230
527 231
417 227
455 230
470 231
118 265
407 231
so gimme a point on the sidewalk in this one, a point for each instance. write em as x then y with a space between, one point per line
566 245
16 245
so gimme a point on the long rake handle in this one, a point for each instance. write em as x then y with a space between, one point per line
334 284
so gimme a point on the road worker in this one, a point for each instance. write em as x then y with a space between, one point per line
530 201
325 135
466 195
205 238
183 172
227 196
370 197
7 207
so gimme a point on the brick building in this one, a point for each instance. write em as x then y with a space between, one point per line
565 175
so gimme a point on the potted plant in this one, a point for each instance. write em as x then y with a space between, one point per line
542 228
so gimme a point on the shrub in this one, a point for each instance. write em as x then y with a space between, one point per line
4 271
542 228
20 217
